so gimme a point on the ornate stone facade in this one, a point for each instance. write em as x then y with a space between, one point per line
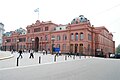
79 36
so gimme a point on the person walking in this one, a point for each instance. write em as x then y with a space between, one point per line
20 53
31 54
43 51
12 51
48 52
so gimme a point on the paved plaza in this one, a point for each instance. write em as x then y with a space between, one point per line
78 68
26 61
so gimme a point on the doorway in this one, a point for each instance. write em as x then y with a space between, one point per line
76 48
36 44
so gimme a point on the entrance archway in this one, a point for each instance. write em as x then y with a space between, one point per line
36 44
76 47
81 48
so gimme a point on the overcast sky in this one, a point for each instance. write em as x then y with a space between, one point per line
20 13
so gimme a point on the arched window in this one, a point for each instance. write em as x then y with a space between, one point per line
76 36
64 37
72 36
58 37
81 36
81 45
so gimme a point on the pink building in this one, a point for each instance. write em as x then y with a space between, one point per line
79 36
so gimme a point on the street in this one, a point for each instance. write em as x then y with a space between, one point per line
78 69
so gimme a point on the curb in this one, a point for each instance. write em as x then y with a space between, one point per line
7 57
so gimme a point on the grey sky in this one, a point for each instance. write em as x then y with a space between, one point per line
20 13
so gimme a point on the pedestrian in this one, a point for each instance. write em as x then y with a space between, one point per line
31 54
29 50
20 53
59 52
48 52
69 54
43 51
12 51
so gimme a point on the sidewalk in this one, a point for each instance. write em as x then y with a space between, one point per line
5 55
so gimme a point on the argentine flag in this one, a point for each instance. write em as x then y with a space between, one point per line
36 10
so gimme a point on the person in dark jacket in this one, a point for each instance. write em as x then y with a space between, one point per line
31 53
20 53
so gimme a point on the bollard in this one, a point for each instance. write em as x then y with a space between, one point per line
74 57
17 61
65 57
39 59
80 57
55 58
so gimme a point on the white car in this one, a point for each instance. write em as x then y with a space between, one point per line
112 55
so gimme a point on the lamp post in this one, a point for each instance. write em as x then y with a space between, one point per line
17 44
5 44
53 39
33 43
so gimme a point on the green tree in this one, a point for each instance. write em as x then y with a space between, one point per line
118 49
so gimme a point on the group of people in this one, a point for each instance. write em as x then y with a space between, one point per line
30 51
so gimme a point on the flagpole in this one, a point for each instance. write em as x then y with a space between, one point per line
37 11
38 15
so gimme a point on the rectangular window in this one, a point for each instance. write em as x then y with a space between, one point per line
64 37
8 40
46 37
58 38
22 39
28 31
46 28
72 36
64 46
89 37
37 30
29 39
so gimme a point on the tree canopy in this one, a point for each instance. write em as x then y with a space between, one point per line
118 49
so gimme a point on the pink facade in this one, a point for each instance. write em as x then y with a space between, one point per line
79 36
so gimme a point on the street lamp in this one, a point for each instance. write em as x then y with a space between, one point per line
33 43
5 44
53 39
17 44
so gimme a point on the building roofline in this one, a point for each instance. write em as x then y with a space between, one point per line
1 23
102 27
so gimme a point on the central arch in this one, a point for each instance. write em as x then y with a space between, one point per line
36 44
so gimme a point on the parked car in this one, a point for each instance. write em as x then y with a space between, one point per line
117 56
